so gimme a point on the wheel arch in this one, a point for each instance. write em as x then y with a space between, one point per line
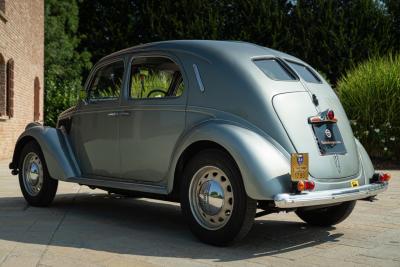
56 150
264 169
189 153
18 149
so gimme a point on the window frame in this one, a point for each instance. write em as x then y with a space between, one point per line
92 75
313 73
282 63
149 99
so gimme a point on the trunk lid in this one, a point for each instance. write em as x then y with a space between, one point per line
295 108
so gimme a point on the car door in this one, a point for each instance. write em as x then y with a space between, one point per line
153 117
94 131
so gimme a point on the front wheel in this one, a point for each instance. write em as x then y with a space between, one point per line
327 216
38 188
213 199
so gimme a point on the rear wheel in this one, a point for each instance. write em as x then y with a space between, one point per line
327 216
38 188
213 199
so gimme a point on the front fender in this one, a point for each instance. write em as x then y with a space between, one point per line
265 169
57 152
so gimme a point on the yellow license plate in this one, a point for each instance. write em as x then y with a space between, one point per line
299 166
354 183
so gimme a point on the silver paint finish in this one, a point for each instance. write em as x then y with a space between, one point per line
242 110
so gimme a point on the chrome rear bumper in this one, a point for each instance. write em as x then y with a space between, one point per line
328 196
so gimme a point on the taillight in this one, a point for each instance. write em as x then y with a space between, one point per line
305 185
384 177
330 115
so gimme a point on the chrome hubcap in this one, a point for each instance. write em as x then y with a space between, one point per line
211 197
32 174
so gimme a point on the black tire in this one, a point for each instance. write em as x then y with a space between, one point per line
243 210
327 216
48 189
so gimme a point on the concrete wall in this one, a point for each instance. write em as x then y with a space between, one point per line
22 39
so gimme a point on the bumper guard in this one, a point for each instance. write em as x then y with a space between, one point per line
327 197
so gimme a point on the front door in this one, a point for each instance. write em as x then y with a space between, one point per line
152 119
94 131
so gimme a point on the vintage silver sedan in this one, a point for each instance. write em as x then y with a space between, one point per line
224 128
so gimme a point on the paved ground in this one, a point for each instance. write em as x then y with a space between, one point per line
90 228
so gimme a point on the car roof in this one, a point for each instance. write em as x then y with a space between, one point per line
207 48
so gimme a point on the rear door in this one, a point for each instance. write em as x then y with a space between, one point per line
153 117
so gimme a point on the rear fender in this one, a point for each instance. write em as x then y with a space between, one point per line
367 166
265 170
54 143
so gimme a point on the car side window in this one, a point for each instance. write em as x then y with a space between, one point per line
107 82
155 77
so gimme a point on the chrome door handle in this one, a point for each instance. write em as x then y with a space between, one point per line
112 114
124 113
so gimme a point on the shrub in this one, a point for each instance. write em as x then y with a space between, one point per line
370 94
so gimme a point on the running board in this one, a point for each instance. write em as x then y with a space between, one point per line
131 186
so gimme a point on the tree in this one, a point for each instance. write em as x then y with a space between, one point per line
334 35
331 35
63 63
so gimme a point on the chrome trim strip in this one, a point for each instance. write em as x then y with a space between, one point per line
126 185
328 196
198 77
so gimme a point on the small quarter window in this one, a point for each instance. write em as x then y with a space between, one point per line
107 82
274 69
155 77
304 72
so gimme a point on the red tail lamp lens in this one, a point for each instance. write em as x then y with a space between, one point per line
330 114
305 185
384 177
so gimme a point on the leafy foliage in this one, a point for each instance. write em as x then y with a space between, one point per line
331 35
63 64
370 94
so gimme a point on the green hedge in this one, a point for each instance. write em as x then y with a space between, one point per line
370 94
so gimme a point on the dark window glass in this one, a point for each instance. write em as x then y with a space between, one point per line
273 69
3 88
107 82
155 77
10 88
304 72
36 99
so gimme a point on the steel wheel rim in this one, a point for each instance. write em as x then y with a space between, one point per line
32 174
211 197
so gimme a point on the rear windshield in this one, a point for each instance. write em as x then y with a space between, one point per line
275 70
304 72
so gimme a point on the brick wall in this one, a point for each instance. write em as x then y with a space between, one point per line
22 39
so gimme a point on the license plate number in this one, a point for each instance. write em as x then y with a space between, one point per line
299 166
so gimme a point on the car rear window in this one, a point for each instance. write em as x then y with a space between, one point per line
274 69
304 72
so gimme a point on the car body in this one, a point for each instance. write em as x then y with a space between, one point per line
253 103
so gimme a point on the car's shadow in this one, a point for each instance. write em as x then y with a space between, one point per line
141 227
